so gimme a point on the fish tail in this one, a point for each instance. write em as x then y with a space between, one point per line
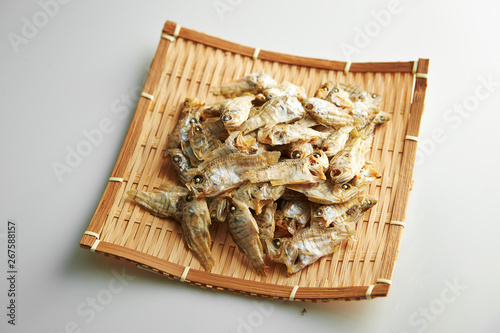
261 270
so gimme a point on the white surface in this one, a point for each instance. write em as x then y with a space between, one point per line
85 64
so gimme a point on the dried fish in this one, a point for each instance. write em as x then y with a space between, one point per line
225 173
305 247
328 113
293 171
325 192
282 134
181 164
281 109
266 223
235 111
166 201
253 83
195 224
245 232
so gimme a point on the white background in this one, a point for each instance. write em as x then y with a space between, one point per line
83 63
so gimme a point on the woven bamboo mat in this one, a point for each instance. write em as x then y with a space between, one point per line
189 64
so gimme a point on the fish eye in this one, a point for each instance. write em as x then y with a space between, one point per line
277 243
325 88
345 187
270 96
374 96
226 118
368 202
232 209
308 106
319 212
186 102
316 155
382 118
335 90
176 159
253 150
193 121
213 215
347 155
198 129
296 154
198 179
296 261
189 198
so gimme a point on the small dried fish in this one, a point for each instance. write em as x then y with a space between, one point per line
202 142
245 232
195 224
281 134
336 141
252 83
325 215
324 90
265 222
348 162
235 111
286 88
281 109
257 195
218 207
299 150
227 172
325 192
181 164
293 171
293 215
328 113
305 247
166 201
358 94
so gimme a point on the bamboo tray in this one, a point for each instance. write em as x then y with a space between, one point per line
188 63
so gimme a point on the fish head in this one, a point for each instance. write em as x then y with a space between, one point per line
321 215
272 93
238 209
179 159
367 202
344 191
232 118
301 150
281 250
218 208
382 118
324 90
247 144
319 160
200 185
191 103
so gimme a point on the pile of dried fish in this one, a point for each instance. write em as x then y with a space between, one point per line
285 171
